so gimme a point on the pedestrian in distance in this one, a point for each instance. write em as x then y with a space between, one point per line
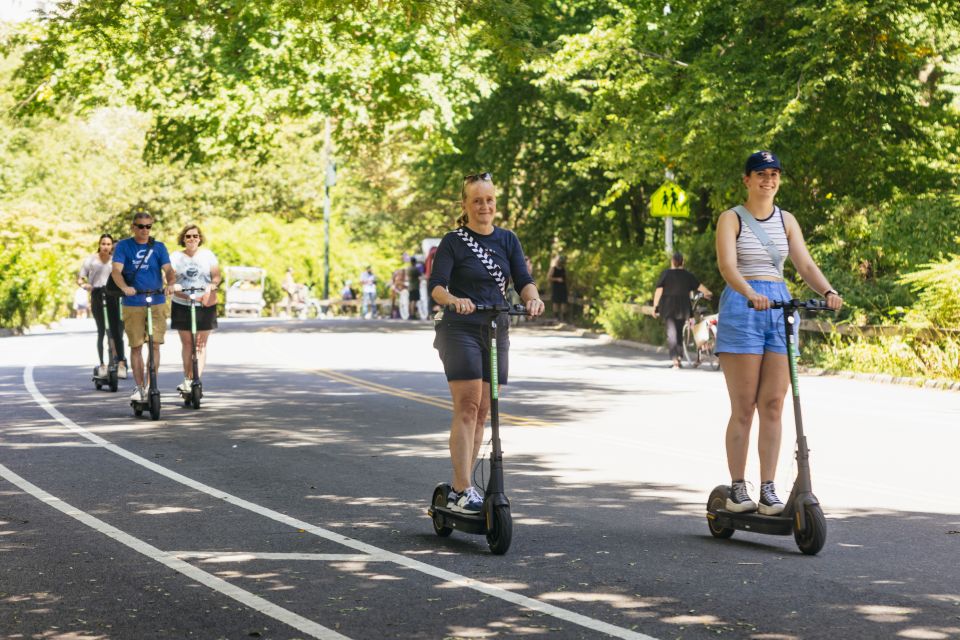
196 268
472 266
368 289
557 275
141 263
81 302
753 241
290 288
94 273
413 286
671 301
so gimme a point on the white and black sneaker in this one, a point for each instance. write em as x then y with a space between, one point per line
739 499
466 501
770 504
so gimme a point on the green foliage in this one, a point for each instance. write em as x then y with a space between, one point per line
938 288
903 356
34 286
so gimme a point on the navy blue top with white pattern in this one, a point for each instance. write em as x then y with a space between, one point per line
458 269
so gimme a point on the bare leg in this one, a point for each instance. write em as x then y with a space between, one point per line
467 400
774 380
742 373
136 364
185 353
202 337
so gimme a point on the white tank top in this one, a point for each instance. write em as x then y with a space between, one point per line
752 258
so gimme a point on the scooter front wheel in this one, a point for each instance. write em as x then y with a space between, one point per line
814 534
499 529
716 502
195 395
440 500
112 380
154 402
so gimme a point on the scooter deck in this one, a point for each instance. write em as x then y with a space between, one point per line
771 525
466 523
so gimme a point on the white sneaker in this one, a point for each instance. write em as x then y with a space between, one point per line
185 386
122 370
102 371
138 395
739 500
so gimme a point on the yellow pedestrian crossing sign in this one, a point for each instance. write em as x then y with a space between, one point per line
669 200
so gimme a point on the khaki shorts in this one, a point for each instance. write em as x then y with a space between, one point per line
135 324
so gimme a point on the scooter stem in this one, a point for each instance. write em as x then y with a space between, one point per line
495 485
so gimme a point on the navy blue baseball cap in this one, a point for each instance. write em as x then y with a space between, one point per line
762 160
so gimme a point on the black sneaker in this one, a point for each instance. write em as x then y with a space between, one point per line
468 501
770 504
739 500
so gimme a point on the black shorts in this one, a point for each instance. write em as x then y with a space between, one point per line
414 295
465 353
180 317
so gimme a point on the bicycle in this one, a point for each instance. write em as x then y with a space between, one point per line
700 335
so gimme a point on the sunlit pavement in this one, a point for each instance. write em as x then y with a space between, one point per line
293 503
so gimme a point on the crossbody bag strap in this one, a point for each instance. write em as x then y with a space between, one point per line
762 236
484 257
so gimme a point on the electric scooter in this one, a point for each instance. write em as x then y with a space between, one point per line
802 514
152 403
192 397
111 378
494 520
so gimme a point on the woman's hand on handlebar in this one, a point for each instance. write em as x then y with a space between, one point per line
534 306
758 301
463 306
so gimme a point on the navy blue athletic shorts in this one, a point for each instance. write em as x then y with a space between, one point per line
464 351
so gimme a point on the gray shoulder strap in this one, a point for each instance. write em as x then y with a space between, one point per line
762 236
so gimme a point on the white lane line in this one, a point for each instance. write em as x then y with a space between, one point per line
453 579
36 445
242 596
243 556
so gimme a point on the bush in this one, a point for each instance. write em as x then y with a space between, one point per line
34 280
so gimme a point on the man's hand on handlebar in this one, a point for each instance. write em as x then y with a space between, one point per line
128 291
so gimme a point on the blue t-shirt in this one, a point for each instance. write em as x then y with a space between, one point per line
456 267
142 268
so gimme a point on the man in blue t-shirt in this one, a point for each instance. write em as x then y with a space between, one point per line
140 264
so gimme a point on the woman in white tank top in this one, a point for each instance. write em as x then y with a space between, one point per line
750 343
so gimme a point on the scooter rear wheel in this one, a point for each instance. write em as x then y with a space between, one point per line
716 502
500 530
440 500
814 534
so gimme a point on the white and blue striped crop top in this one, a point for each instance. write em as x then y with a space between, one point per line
752 258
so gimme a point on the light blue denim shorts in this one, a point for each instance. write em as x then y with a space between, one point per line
741 329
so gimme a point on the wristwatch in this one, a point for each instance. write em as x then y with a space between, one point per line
829 291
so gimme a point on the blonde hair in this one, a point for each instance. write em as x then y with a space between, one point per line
463 218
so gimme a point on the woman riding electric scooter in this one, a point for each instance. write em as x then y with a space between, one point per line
471 267
753 241
194 310
94 274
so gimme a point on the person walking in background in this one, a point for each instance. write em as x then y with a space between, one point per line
413 286
398 287
558 287
671 301
196 268
81 302
289 287
368 289
93 277
140 264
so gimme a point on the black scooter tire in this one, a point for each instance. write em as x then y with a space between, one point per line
500 530
814 535
154 402
195 395
440 500
113 381
717 501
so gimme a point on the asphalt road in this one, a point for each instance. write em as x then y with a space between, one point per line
293 504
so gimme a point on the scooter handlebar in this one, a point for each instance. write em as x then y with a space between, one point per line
812 304
495 309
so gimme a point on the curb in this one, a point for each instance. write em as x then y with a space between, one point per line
941 384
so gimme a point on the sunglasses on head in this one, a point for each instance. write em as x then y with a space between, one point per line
476 177
143 226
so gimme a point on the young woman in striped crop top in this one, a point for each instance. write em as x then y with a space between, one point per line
750 342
